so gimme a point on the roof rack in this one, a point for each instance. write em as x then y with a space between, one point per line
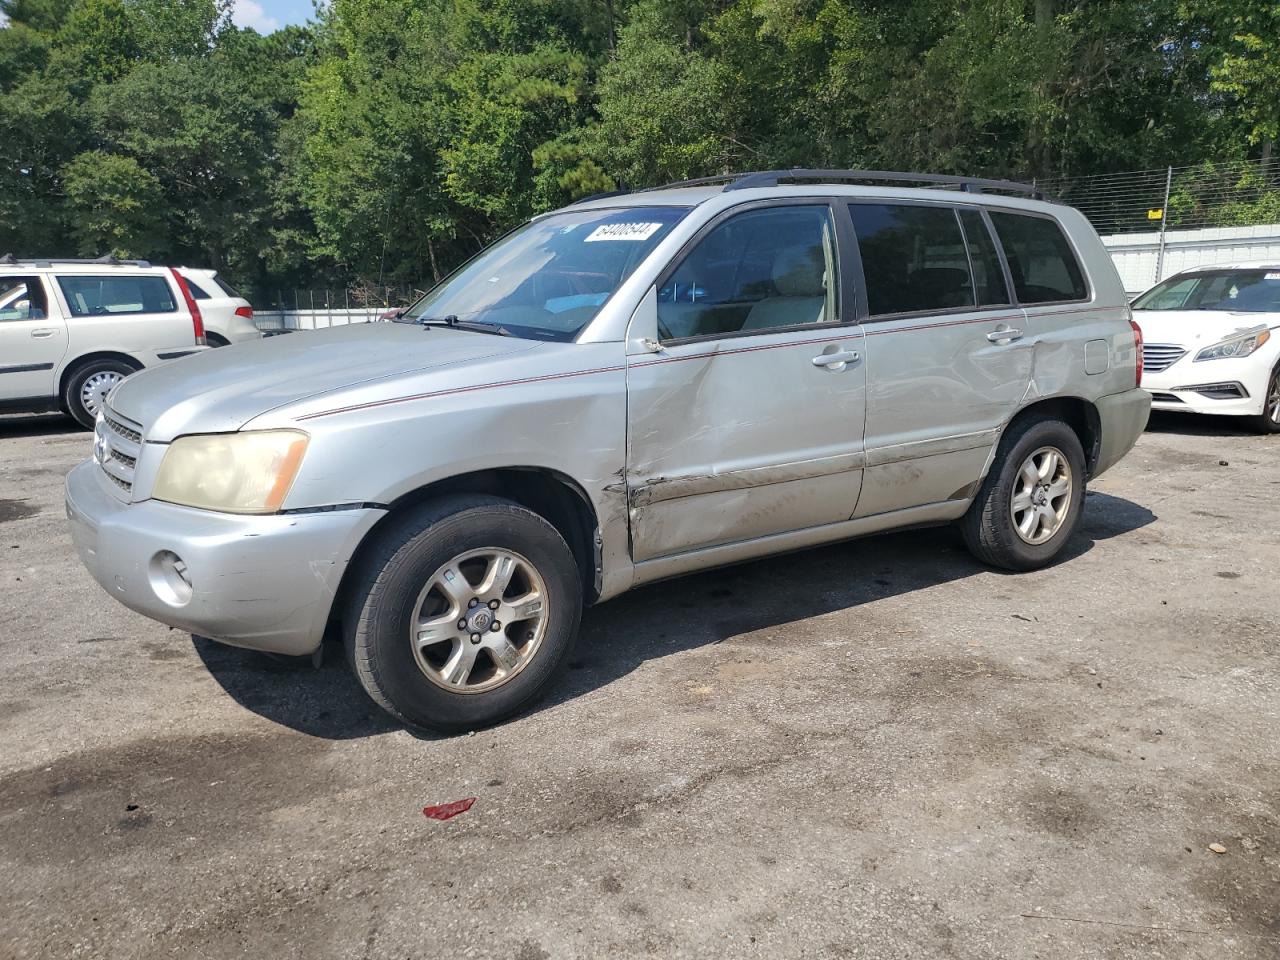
106 260
771 178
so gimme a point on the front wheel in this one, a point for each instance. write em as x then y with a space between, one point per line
465 610
1030 503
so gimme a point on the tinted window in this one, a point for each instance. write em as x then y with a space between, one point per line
1043 266
758 270
1243 291
227 288
197 292
987 273
913 258
22 298
107 296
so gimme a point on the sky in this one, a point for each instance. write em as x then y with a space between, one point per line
267 15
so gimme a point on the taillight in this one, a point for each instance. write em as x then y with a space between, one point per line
197 321
1137 350
246 312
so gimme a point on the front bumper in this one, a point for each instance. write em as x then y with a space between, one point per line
263 582
1186 386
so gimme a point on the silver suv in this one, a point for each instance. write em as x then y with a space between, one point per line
631 388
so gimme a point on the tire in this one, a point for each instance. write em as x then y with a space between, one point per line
455 542
1269 420
216 340
989 527
88 386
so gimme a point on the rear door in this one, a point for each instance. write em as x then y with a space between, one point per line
747 421
33 338
948 361
133 311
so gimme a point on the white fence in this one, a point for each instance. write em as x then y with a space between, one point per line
1142 259
1145 258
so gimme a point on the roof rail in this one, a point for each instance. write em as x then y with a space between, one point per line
697 182
771 178
106 260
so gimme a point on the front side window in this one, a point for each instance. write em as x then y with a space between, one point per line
913 258
121 295
1243 291
756 271
1042 263
548 279
22 298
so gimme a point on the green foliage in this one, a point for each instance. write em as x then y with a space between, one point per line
392 138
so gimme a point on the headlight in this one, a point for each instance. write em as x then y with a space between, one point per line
247 472
1238 346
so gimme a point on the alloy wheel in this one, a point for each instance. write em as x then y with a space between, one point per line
479 620
1041 495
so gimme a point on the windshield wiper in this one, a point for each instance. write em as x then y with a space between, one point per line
453 322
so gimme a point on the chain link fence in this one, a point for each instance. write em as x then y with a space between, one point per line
1240 193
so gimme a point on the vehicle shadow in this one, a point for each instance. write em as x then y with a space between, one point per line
31 424
1199 425
663 619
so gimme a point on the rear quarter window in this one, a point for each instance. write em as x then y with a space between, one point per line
117 296
1041 261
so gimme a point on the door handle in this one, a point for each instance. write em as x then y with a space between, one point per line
1004 335
43 332
836 361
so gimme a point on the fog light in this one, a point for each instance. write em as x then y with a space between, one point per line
170 579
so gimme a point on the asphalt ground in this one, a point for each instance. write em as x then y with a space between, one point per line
875 749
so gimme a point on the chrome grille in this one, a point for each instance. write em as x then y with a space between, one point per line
116 445
1160 356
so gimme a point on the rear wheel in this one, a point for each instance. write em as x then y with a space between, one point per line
87 388
465 610
1030 503
1269 420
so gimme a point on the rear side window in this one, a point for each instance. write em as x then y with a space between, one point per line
111 296
1041 261
197 292
913 258
988 275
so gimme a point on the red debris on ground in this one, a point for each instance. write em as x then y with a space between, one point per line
443 811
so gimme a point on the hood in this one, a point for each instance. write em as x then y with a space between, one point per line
1197 329
217 391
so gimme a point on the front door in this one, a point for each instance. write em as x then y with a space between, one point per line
747 419
33 339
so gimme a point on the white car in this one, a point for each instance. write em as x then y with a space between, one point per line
228 317
70 330
1212 344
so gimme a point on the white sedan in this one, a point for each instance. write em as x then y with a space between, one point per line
1211 343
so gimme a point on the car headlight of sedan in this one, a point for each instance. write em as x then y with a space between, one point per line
248 472
1240 345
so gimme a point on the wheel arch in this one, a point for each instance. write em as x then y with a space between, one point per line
74 366
554 496
1079 414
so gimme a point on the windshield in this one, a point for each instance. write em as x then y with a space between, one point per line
548 279
1245 291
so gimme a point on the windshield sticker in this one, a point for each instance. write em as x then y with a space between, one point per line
622 231
1272 276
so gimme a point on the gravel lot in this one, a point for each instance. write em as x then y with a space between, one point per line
876 749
